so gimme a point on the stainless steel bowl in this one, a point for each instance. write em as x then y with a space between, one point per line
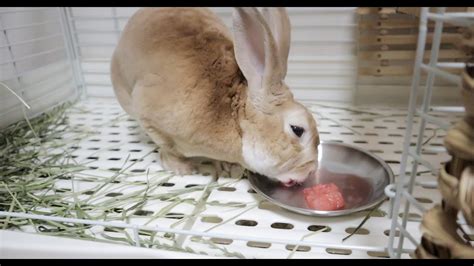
361 176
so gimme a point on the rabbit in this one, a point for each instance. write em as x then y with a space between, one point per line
200 91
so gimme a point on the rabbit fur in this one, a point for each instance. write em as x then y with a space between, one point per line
202 91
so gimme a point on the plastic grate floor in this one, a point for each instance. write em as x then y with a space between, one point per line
232 207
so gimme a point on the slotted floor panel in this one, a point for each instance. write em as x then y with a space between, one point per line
231 207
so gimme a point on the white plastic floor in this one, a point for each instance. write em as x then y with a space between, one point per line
377 129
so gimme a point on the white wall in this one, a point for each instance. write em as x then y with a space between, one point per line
322 62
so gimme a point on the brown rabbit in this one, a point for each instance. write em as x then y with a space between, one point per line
197 93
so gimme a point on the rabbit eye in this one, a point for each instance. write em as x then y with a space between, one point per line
297 130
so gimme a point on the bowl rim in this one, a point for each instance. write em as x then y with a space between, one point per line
338 212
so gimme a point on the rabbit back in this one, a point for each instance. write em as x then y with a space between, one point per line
174 70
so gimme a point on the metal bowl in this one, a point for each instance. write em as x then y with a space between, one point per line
361 176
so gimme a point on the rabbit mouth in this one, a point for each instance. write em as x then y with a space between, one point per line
291 182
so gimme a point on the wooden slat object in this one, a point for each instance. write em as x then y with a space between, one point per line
403 31
376 26
376 10
408 55
467 42
394 71
406 39
389 34
415 11
390 22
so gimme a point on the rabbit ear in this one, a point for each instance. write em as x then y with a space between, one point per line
257 54
279 23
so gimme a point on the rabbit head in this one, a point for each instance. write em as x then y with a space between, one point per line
279 135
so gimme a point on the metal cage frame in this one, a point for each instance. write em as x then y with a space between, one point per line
405 183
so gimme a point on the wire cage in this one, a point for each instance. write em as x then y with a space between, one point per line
406 183
59 55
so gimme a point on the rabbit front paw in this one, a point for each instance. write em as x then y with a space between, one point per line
226 169
177 164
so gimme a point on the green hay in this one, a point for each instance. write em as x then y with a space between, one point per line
366 218
30 170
